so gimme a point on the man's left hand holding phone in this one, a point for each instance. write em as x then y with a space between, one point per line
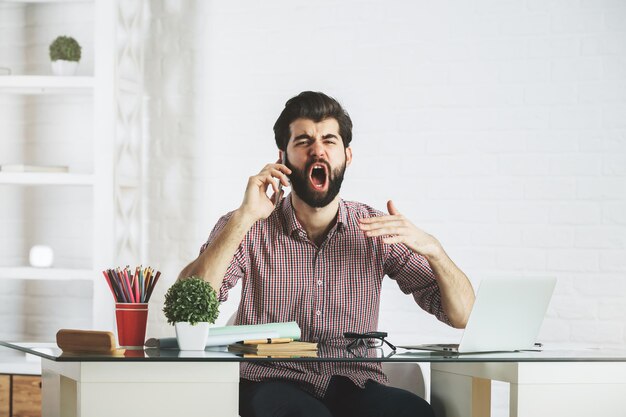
256 203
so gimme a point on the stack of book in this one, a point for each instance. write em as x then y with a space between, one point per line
274 348
223 336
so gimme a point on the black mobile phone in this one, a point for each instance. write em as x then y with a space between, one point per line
279 194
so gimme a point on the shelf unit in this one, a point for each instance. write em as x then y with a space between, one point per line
45 84
46 1
110 182
44 178
45 273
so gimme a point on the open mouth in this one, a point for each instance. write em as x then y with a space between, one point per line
318 175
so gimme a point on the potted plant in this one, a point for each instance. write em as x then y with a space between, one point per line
191 305
64 54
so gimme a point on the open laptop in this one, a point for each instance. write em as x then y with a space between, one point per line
506 316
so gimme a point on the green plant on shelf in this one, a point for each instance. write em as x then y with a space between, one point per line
65 48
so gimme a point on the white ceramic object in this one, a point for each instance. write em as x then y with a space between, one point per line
64 68
41 256
191 337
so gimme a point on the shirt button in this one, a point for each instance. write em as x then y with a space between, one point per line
319 313
319 282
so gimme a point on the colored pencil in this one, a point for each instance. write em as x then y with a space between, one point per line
116 285
138 279
109 282
130 288
154 281
127 287
126 284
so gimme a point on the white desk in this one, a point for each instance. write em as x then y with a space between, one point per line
171 383
572 389
168 389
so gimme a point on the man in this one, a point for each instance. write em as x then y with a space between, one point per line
319 260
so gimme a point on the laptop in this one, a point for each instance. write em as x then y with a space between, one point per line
506 316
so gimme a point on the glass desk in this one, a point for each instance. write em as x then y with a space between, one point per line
202 383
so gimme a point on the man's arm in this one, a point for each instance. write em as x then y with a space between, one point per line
457 294
212 264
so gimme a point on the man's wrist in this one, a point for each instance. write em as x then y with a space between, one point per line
435 252
243 218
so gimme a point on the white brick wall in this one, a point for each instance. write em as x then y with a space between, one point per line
496 125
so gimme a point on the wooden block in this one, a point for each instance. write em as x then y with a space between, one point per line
26 396
5 395
85 341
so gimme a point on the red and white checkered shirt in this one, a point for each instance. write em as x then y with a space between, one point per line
327 290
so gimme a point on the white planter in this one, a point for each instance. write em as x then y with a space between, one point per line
64 68
191 337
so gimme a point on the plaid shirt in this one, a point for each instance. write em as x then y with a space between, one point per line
327 290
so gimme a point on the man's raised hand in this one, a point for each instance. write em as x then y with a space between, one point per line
256 204
398 229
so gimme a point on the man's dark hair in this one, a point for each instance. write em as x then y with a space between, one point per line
314 106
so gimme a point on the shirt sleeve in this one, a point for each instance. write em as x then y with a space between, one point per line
238 265
415 276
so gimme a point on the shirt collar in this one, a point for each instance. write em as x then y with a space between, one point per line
292 224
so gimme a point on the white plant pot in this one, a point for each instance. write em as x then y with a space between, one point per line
64 68
191 337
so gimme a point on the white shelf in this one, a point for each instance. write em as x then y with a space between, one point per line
45 1
45 84
45 178
25 272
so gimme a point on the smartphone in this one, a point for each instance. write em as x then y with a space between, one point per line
279 195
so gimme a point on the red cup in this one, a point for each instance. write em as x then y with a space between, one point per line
131 324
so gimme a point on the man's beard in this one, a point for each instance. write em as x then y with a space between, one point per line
301 185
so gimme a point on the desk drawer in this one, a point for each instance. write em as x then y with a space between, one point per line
25 391
26 396
5 395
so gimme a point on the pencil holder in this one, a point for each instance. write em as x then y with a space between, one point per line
131 324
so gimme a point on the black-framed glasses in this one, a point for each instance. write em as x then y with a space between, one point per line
369 339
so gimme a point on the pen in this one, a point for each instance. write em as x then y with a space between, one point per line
269 340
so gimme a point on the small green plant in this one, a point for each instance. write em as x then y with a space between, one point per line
191 299
65 48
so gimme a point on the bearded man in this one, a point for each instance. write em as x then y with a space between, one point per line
316 259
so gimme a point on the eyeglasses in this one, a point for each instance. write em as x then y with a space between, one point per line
369 339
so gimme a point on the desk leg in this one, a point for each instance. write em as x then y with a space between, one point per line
58 397
50 393
454 395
